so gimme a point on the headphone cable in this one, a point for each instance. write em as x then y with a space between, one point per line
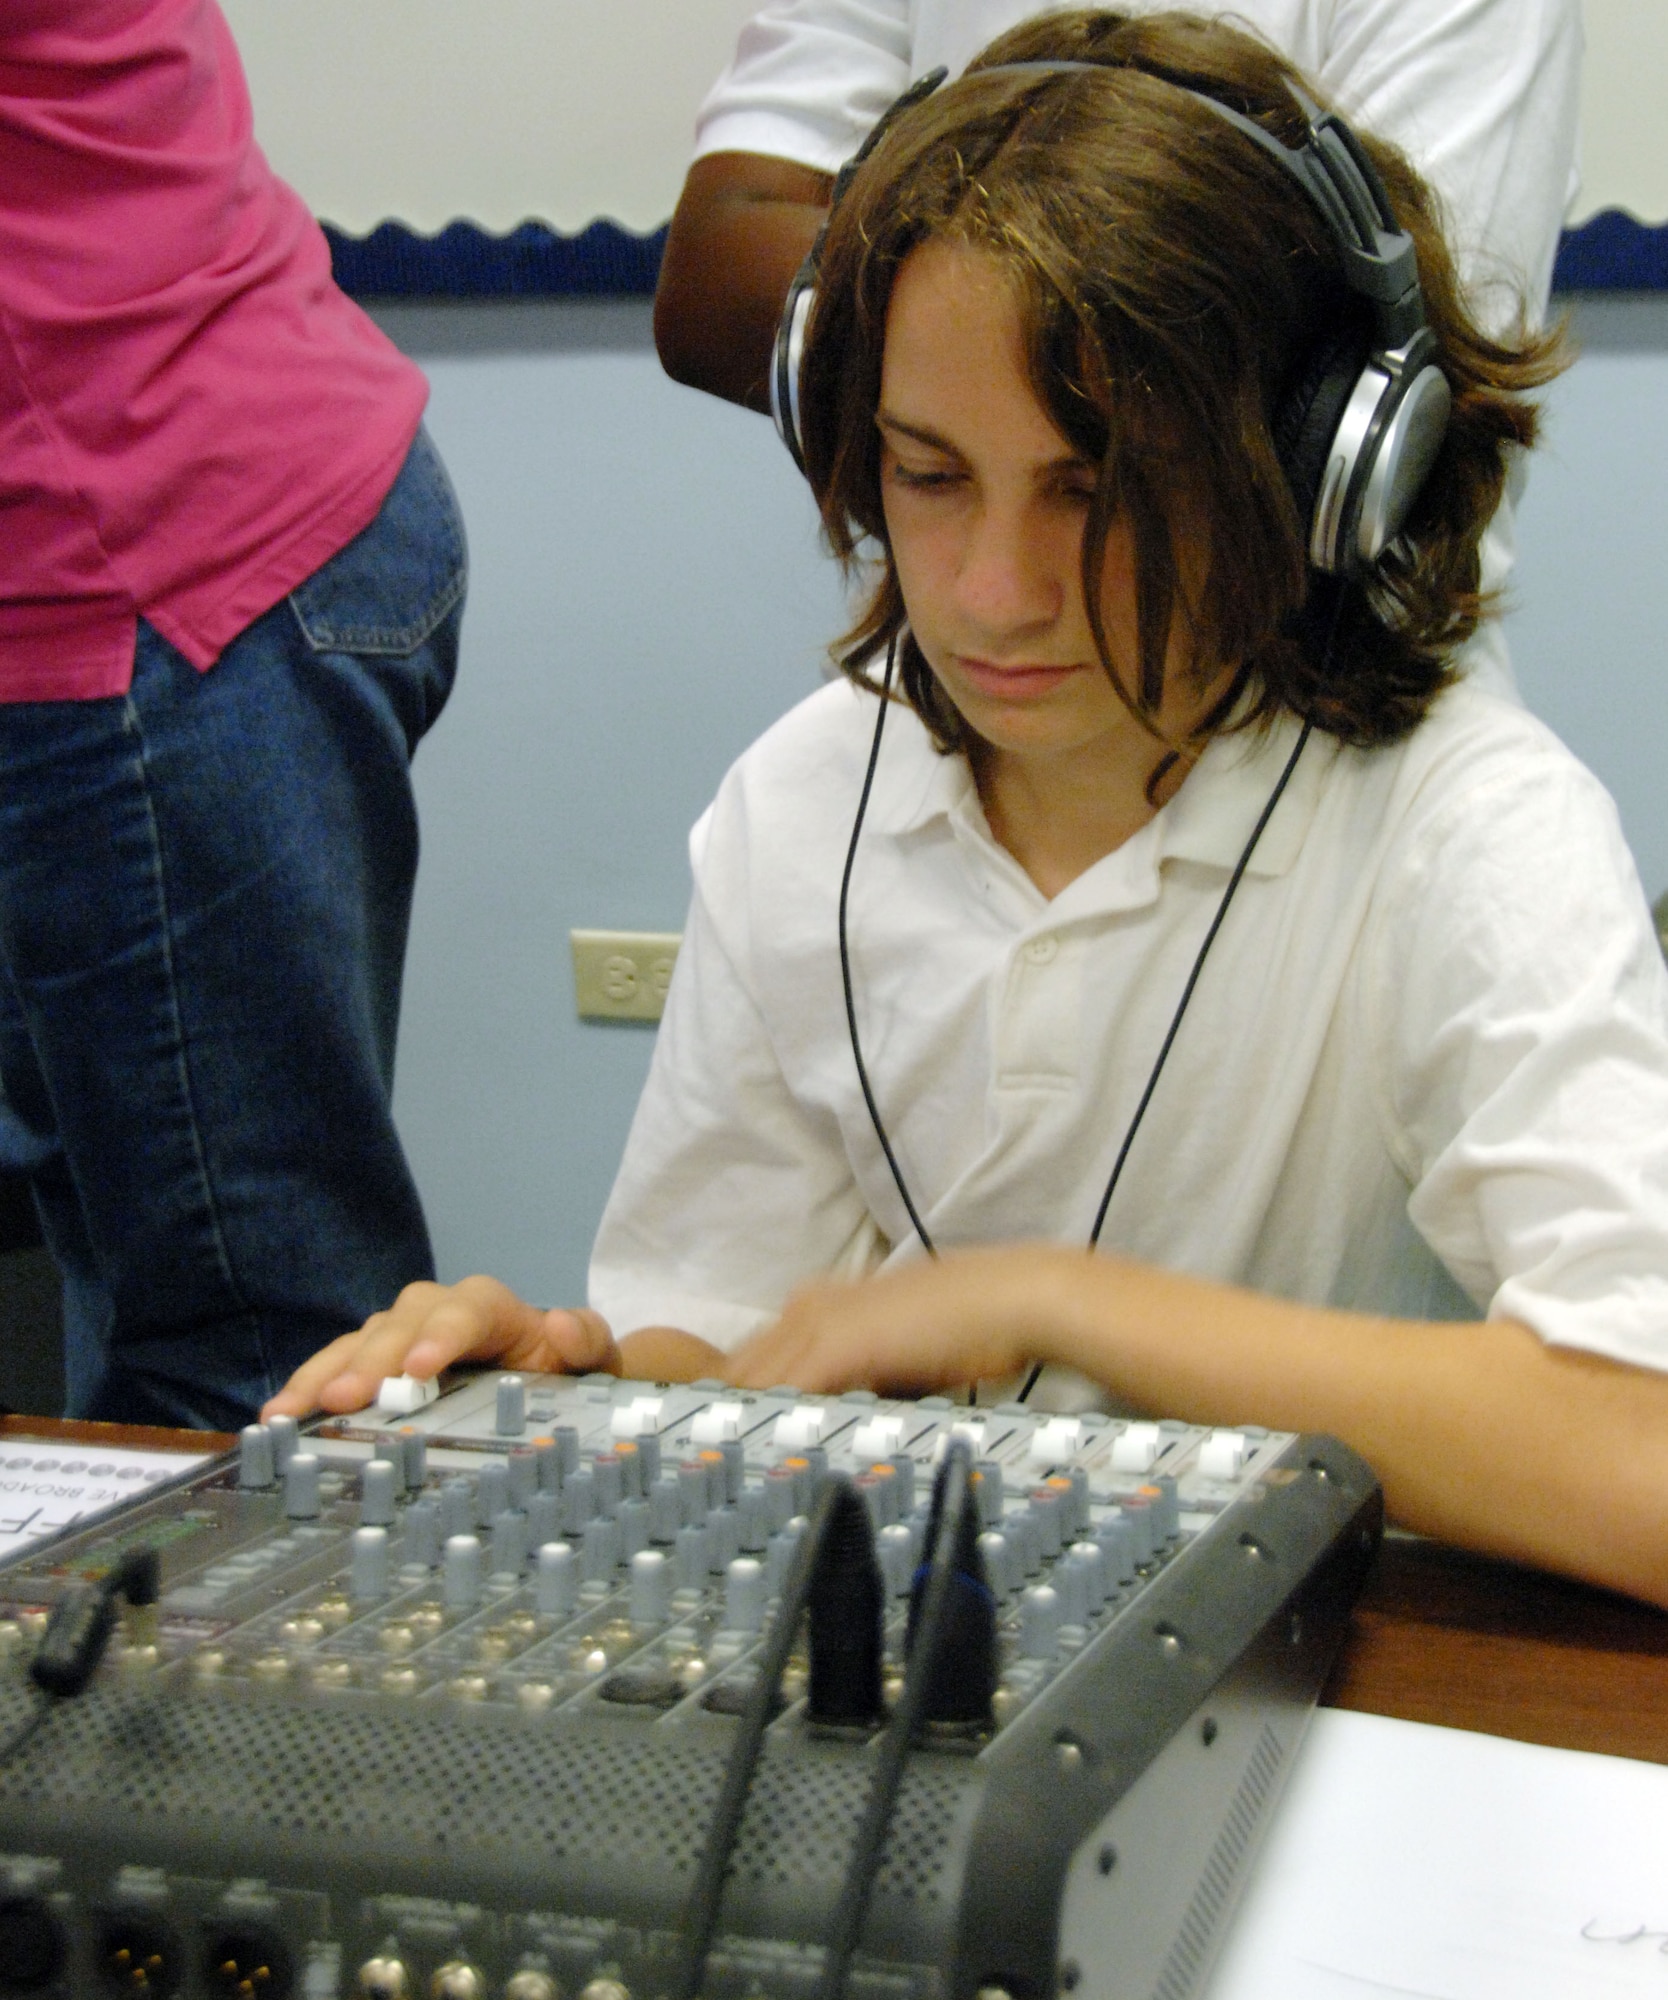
1234 880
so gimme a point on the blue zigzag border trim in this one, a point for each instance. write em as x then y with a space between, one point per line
1610 253
464 262
1613 253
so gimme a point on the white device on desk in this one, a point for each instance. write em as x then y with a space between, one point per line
446 1700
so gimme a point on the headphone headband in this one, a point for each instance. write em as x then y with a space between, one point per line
1368 430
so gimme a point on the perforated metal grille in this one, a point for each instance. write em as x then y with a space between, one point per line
344 1778
1187 1957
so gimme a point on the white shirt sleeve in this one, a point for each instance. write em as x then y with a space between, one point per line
731 1191
808 79
1483 97
1518 1006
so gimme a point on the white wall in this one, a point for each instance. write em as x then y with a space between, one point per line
647 594
499 110
1587 632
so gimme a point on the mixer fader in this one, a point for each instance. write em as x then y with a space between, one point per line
438 1699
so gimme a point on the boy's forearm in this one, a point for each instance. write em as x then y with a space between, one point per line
1481 1433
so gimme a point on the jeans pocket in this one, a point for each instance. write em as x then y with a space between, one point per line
394 584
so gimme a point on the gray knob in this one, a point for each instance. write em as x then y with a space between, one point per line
1039 1623
457 1507
692 1492
631 1517
422 1533
368 1565
750 1512
509 1543
781 1499
896 1550
286 1438
601 1554
301 1487
524 1475
691 1558
1143 1525
1071 1586
744 1595
1089 1558
416 1460
544 1519
999 1561
377 1484
556 1585
579 1501
631 1468
780 1552
1169 1506
609 1475
651 1587
648 1459
665 1509
1078 1504
1024 1533
257 1462
723 1539
567 1448
1117 1543
1047 1511
512 1406
492 1491
735 1468
463 1573
548 1458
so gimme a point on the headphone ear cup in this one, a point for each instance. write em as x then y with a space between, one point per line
1309 414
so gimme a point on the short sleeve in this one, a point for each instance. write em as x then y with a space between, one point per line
808 79
1518 1012
1484 100
731 1192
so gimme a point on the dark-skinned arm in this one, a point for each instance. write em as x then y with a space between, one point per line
743 225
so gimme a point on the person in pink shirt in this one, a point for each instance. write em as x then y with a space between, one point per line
231 578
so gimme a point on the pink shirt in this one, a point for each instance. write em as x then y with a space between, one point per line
192 418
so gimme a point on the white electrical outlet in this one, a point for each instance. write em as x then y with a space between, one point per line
622 975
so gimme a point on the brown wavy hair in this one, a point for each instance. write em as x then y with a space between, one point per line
1173 284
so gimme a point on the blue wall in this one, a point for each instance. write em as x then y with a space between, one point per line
647 594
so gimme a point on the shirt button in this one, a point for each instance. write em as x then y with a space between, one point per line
1041 949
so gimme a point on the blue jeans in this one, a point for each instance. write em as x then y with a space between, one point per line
204 892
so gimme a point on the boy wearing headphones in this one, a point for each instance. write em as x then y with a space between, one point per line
1184 907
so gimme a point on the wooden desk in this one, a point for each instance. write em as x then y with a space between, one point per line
1439 1636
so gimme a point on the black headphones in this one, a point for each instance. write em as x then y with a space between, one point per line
1361 427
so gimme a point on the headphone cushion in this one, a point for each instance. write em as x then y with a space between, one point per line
1310 412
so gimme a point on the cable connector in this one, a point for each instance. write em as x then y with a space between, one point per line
83 1619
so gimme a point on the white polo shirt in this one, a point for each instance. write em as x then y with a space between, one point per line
1425 1070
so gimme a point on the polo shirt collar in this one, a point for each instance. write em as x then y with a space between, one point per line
1208 821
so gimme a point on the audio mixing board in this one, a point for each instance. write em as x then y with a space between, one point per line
436 1701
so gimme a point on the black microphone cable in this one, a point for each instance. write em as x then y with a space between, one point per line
954 1504
77 1633
701 1917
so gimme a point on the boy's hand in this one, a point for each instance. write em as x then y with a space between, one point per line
428 1327
969 1316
